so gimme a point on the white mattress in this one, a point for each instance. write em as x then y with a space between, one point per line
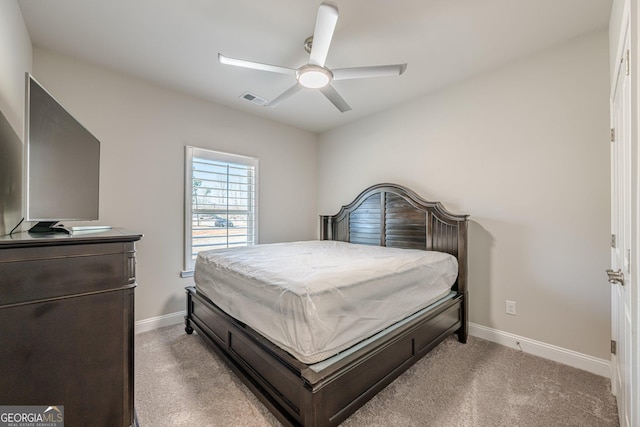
317 298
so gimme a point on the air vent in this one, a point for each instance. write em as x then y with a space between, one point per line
253 98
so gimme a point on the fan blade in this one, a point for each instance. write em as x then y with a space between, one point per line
366 72
255 65
335 98
323 33
284 95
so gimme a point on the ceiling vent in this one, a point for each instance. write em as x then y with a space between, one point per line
253 98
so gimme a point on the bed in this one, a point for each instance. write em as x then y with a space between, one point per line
321 383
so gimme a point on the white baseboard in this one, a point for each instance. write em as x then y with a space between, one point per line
159 321
585 362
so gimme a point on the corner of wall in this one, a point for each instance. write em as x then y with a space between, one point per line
15 45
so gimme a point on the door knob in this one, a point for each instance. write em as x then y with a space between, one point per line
615 276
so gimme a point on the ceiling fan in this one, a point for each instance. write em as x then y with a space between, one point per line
315 75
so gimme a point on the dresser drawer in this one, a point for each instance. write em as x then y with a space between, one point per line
49 278
38 273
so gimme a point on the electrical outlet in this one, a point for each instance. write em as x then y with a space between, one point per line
511 307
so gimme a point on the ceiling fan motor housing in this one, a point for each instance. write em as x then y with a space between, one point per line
308 44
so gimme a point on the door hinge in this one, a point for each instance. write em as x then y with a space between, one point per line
613 240
614 346
613 134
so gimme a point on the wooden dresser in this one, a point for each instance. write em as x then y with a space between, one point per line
67 324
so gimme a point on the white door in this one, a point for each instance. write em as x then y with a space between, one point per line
622 244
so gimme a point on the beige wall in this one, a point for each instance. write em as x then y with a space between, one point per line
143 129
524 150
15 54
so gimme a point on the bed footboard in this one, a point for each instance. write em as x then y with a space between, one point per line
296 393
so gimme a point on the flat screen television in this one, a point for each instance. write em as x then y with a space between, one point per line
62 164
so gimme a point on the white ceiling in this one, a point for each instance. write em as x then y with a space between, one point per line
175 43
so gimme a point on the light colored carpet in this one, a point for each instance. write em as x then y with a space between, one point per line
180 381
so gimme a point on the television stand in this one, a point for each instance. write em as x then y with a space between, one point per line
67 325
48 227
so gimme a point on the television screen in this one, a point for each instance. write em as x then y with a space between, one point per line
62 163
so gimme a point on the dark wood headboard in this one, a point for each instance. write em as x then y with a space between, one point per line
395 216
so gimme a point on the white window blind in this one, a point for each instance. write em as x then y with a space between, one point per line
220 201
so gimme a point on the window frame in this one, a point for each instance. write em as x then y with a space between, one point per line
190 153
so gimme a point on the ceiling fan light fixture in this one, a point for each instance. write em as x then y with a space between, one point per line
314 77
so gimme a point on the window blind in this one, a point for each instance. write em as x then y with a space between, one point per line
222 203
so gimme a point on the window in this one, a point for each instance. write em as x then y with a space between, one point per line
220 202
